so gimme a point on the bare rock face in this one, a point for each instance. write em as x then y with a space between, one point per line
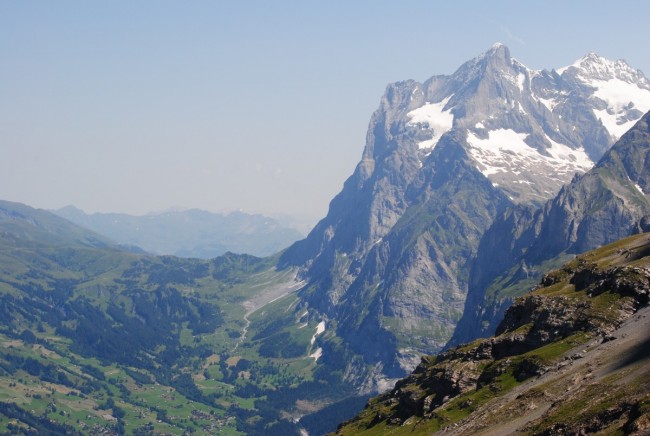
390 263
603 205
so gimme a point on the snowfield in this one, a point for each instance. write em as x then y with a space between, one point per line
433 117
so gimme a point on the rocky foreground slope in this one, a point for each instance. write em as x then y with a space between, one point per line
571 357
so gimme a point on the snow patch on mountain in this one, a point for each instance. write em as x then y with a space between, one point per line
506 151
432 117
521 81
571 158
317 354
320 328
490 153
624 91
620 97
550 103
636 185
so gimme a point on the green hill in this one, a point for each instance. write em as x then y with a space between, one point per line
95 338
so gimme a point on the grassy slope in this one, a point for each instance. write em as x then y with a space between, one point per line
49 267
561 398
175 344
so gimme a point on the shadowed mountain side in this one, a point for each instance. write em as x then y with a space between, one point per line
601 206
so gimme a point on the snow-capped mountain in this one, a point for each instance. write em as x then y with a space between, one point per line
389 264
529 131
621 95
607 203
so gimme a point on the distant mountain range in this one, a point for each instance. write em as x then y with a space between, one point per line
98 339
189 233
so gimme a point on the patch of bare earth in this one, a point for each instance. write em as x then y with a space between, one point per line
618 361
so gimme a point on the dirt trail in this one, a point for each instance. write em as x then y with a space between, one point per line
627 351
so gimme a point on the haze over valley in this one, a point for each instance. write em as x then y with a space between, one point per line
479 263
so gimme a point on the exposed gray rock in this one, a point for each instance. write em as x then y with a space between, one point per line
575 318
601 206
391 260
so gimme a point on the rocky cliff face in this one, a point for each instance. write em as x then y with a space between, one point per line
601 206
412 283
569 357
388 266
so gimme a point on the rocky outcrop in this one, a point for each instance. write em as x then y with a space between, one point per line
581 305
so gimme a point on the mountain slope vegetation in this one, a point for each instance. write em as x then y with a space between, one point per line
570 357
95 338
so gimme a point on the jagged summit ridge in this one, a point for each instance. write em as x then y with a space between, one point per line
389 264
595 67
528 131
612 85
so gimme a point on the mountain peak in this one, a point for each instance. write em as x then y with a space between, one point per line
497 46
72 209
591 59
497 58
497 51
492 134
592 67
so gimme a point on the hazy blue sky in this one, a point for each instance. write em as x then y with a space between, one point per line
137 106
